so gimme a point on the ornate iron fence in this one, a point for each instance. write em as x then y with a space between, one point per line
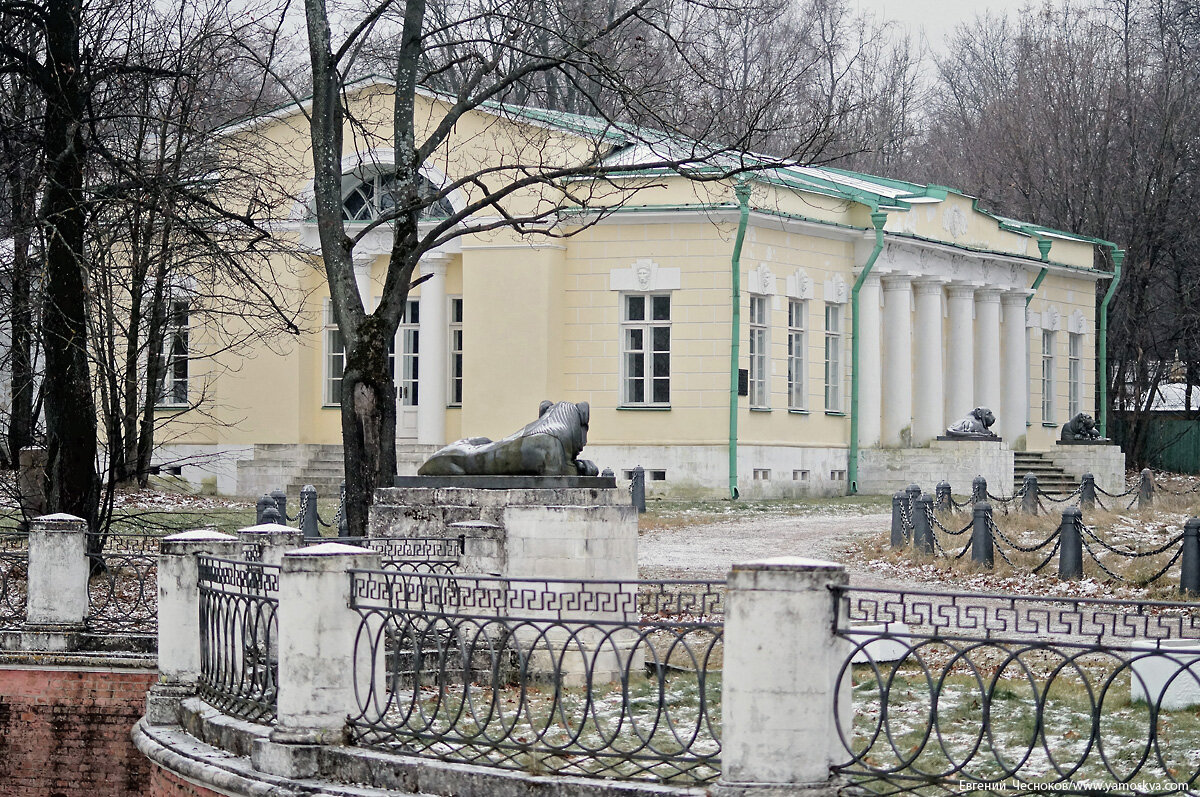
14 567
239 637
123 594
434 555
958 690
595 678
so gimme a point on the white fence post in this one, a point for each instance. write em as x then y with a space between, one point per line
780 679
317 631
57 598
179 617
274 540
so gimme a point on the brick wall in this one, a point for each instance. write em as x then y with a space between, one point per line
65 731
166 784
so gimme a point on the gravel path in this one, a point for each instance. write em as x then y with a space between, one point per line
708 549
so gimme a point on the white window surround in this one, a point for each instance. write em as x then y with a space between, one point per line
644 276
1077 324
1048 365
1074 374
176 351
376 160
798 354
834 366
760 351
333 358
456 352
645 347
762 281
837 291
800 285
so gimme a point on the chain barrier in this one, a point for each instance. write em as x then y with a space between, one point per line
996 532
1100 564
1089 531
1100 504
1166 567
933 521
1132 501
966 548
1130 491
1049 557
1062 500
906 523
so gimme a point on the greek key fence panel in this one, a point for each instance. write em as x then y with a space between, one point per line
239 632
123 594
602 679
434 555
961 689
14 565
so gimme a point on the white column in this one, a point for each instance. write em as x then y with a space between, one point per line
870 362
362 278
928 399
434 354
897 358
782 661
179 617
960 355
1015 368
325 665
987 350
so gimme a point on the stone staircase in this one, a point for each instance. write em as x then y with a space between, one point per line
291 466
1051 478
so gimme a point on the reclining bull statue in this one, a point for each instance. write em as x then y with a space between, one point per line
549 446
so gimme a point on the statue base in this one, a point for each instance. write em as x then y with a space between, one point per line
974 438
518 526
1099 441
1102 458
957 460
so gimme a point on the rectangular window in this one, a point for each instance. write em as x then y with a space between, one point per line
335 358
646 349
407 377
1074 374
759 359
797 354
762 474
1047 376
174 392
833 358
456 351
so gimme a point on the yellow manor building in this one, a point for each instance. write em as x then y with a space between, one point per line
635 314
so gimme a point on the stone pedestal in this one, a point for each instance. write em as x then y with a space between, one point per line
1102 458
887 470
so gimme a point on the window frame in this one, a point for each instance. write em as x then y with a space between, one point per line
647 326
357 182
330 332
170 383
1048 365
759 352
400 355
1074 374
798 355
455 369
834 367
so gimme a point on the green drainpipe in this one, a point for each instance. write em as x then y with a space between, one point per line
879 219
1118 257
1044 248
742 191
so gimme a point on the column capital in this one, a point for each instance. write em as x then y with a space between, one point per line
929 285
434 263
987 296
872 280
896 282
1018 297
958 290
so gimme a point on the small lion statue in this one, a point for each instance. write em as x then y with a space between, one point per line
549 446
978 423
1081 427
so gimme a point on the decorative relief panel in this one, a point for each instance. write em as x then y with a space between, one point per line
800 285
643 275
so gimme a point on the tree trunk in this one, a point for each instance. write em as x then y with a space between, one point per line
72 485
21 421
368 419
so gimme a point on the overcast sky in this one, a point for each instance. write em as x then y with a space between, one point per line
936 17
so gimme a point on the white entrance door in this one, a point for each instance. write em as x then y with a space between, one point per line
406 372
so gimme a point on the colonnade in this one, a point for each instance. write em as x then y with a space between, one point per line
920 371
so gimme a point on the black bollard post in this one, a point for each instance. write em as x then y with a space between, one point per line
271 515
1029 495
1070 540
280 499
1146 490
637 488
922 529
264 503
944 502
982 546
898 535
978 489
308 511
1087 492
1189 566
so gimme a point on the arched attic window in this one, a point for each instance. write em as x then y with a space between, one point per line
365 198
